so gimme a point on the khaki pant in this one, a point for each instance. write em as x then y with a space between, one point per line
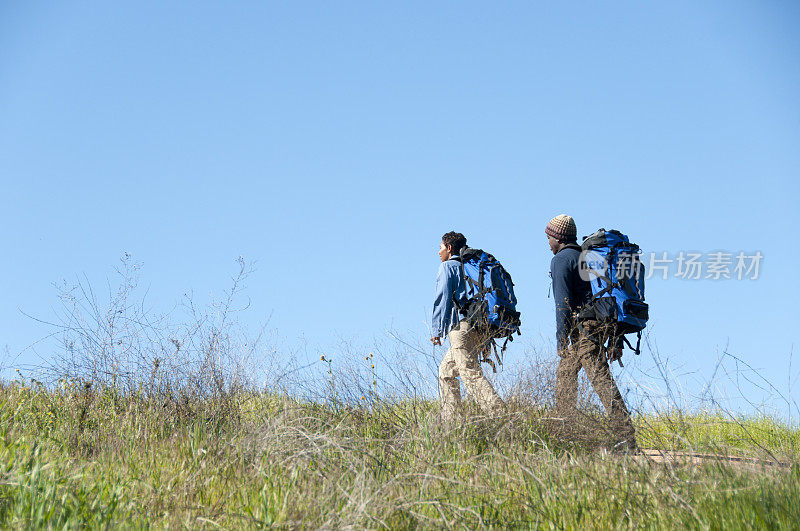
463 360
587 352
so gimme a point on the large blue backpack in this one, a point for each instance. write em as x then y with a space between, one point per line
490 304
612 266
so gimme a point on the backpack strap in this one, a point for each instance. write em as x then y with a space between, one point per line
610 285
635 350
469 281
572 246
492 346
456 302
482 291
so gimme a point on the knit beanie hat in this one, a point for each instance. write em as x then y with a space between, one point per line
562 228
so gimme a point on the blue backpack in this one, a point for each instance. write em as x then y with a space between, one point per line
490 304
612 266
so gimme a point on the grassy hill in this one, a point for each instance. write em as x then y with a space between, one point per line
78 455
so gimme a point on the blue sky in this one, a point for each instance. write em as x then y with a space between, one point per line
334 143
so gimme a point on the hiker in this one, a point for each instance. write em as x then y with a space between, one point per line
463 358
581 343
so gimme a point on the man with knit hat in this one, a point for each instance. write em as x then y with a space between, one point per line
582 345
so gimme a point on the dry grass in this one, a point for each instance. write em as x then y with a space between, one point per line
92 457
144 423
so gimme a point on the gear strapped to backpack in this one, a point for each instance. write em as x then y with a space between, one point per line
612 266
490 304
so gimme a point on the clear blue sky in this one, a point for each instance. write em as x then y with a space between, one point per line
334 143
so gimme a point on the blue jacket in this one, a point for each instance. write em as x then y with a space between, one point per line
449 281
570 291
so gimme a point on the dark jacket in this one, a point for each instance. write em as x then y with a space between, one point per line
570 291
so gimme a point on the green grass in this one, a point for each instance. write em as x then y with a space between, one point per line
759 437
77 457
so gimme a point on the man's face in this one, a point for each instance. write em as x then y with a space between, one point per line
444 252
554 244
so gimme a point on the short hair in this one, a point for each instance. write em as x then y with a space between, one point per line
455 240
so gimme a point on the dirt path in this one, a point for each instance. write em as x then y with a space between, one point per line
693 458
